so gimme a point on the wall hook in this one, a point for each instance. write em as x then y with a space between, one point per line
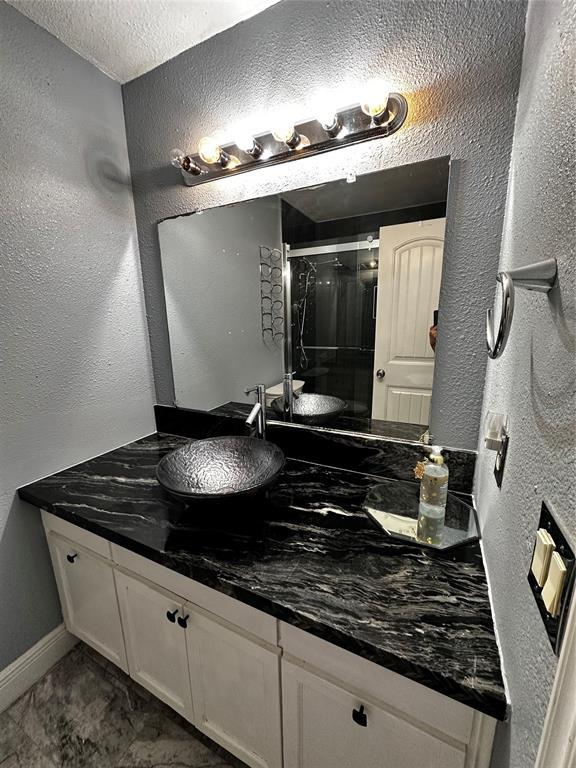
540 277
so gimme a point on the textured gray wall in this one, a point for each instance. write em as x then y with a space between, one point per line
75 377
459 64
534 380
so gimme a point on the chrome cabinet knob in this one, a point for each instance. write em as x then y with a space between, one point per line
380 373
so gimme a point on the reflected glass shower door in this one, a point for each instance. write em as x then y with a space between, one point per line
333 295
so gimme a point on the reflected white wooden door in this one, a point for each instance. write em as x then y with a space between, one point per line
409 275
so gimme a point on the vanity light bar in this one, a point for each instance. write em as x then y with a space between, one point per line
378 116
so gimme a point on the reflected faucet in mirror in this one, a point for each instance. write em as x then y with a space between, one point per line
256 419
289 394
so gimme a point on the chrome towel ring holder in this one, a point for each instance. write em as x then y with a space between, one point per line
540 277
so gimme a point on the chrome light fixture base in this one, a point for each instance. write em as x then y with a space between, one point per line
354 127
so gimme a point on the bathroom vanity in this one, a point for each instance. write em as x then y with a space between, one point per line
287 628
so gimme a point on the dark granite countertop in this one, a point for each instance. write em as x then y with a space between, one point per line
307 554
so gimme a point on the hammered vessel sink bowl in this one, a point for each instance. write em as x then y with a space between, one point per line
220 468
311 408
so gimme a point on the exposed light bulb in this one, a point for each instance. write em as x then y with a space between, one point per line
283 128
285 132
176 157
326 113
180 159
327 117
332 124
245 142
248 144
211 152
374 101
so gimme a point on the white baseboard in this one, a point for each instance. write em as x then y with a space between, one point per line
17 677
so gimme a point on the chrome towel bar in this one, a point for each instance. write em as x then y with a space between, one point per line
540 276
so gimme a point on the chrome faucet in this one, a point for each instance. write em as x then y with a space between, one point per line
258 413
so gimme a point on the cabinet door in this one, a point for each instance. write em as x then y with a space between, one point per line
88 596
325 726
236 690
155 641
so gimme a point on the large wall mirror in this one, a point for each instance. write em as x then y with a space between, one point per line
337 284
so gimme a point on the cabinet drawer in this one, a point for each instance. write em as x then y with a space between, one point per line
326 726
76 534
357 674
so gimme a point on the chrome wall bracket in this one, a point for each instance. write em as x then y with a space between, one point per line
540 277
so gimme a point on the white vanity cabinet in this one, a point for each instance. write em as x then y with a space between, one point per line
325 726
341 709
273 695
155 633
236 688
88 596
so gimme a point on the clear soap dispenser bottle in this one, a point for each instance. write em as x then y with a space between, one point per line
433 494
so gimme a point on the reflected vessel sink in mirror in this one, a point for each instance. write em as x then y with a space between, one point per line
311 408
220 468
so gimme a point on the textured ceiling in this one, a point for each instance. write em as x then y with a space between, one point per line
126 38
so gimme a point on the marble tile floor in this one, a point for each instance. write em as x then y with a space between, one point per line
86 713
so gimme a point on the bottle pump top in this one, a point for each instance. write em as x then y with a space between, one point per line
436 455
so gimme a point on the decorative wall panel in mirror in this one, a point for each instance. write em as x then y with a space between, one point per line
337 284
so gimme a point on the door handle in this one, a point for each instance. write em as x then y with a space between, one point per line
71 558
380 373
183 620
171 615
